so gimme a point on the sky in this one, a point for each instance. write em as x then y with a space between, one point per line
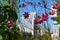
39 10
29 8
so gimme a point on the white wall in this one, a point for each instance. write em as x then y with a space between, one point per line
28 24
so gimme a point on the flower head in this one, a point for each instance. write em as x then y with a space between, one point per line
52 12
45 17
56 6
23 5
26 15
40 19
10 24
36 22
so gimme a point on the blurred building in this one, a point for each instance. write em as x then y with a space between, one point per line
55 31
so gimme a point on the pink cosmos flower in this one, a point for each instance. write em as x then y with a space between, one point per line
45 17
10 23
52 12
36 22
56 6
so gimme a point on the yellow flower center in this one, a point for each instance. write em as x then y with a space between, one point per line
40 19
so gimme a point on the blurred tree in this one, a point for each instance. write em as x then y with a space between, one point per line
6 13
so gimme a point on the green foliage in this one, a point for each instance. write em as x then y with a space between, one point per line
8 12
27 36
8 34
46 35
5 32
